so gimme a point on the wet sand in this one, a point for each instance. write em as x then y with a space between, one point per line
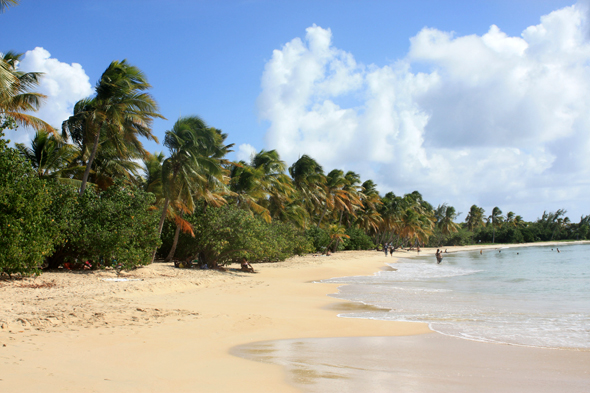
425 363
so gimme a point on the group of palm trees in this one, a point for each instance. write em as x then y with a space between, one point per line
101 142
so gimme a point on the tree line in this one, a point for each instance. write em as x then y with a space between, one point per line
90 195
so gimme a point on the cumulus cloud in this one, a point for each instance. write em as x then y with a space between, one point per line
494 120
245 152
63 84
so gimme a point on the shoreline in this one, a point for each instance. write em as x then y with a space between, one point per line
175 329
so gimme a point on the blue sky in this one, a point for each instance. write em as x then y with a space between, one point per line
359 85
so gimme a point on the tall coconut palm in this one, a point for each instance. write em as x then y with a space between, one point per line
495 219
309 180
278 186
16 93
196 156
368 216
475 217
354 193
336 198
122 110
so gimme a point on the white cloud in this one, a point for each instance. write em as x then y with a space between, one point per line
63 84
496 120
245 152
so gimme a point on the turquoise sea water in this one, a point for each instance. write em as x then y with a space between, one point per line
531 296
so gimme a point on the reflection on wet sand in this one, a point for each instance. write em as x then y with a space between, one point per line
424 363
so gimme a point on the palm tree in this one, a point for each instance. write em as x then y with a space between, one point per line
250 186
335 196
16 96
5 3
495 219
152 167
121 110
309 180
336 233
368 216
446 216
196 157
48 154
354 193
475 217
278 185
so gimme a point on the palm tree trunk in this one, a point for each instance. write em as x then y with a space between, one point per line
161 224
89 163
163 216
174 244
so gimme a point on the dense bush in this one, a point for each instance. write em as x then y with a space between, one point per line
27 234
116 226
227 233
318 238
358 240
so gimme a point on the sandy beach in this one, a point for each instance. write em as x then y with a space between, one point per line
177 330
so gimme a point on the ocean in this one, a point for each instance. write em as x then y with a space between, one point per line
530 296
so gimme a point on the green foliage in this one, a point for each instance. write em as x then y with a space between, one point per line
115 227
358 240
27 235
318 238
462 237
227 233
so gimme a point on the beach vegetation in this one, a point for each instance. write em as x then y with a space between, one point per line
120 110
27 235
228 233
17 96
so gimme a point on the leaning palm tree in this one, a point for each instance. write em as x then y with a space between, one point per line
368 216
309 181
335 196
16 95
194 153
446 216
278 186
196 157
122 110
249 185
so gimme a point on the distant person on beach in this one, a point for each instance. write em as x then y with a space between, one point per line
246 267
558 250
439 257
391 249
385 247
480 252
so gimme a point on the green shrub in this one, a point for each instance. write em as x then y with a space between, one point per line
114 227
226 234
358 240
318 238
27 233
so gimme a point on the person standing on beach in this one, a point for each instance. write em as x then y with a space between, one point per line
385 247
